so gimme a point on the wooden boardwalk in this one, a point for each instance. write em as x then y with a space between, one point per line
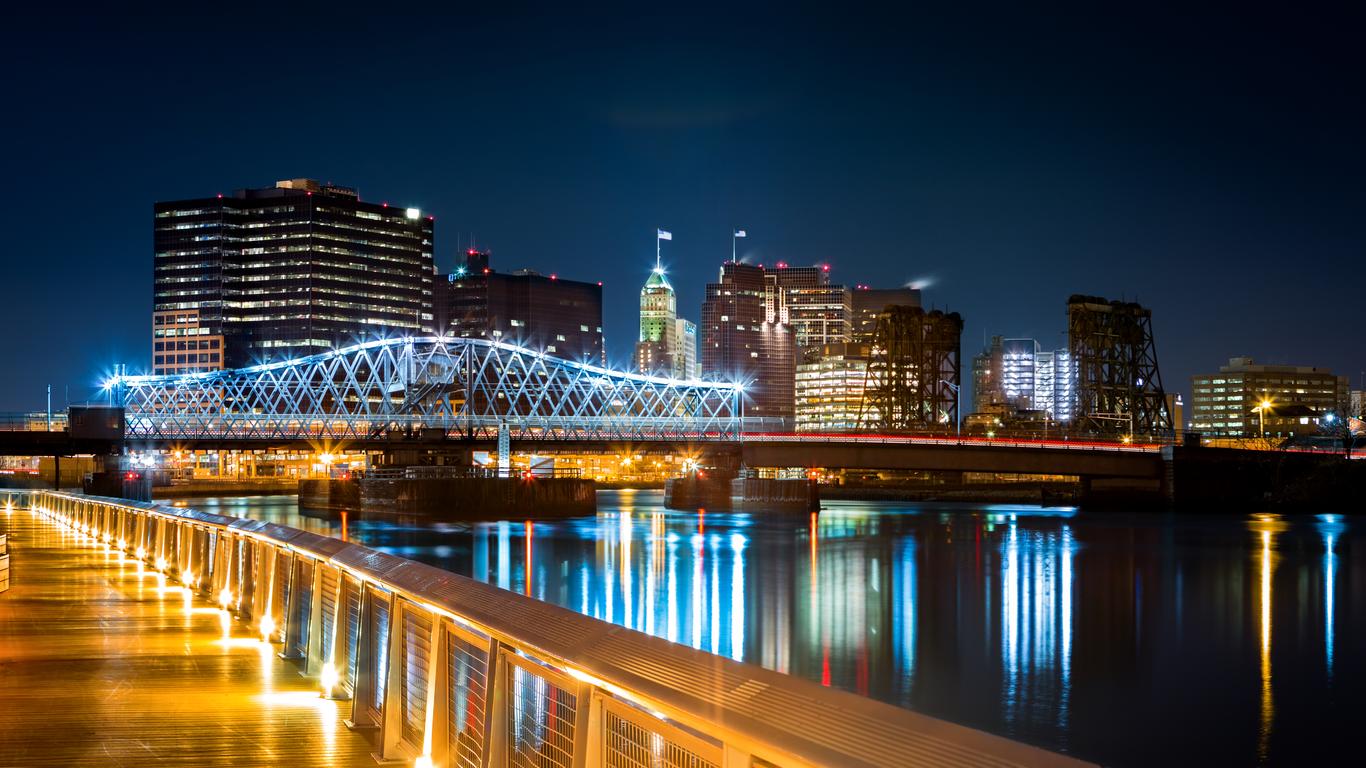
100 666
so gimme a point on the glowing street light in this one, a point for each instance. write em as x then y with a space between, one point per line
1261 410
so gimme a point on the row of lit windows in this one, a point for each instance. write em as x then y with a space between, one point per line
202 357
182 345
404 257
160 332
323 295
396 322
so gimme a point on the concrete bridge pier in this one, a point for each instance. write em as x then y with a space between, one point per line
721 491
1123 493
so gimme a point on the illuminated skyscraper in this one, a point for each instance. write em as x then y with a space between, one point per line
1015 375
544 312
658 325
668 343
747 336
284 272
685 349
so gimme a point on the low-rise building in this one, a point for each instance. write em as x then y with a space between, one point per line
1244 399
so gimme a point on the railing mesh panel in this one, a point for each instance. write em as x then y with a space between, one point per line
540 722
417 636
469 665
628 744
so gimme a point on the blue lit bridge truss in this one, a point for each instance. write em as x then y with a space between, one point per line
466 387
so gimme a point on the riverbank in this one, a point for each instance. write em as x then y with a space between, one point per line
201 487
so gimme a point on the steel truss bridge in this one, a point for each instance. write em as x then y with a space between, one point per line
468 388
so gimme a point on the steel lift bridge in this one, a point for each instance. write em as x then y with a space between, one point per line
468 388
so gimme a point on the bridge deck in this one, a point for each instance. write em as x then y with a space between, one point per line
98 666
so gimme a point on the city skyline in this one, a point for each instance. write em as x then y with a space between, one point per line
705 385
1003 171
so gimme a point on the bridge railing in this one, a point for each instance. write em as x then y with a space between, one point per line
449 671
32 421
1142 444
253 426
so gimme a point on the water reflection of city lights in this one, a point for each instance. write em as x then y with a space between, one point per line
1266 527
1330 528
1036 616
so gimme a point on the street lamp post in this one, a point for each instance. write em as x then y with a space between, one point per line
1261 415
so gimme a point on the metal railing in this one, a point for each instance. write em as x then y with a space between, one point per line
4 560
32 421
454 672
1142 444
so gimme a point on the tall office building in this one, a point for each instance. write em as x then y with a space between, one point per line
668 344
748 336
803 297
283 272
685 349
1230 403
1015 375
561 317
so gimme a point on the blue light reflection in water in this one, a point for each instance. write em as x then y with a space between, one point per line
1081 632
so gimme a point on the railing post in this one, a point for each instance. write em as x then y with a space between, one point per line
391 710
496 715
587 727
313 654
360 691
289 615
436 736
264 585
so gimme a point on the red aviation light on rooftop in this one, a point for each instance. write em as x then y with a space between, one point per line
554 276
599 283
486 270
825 267
220 195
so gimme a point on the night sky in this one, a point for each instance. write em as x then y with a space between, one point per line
1210 164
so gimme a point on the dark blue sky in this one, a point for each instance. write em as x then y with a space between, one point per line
1209 163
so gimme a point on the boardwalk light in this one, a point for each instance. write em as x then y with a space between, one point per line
329 679
224 598
161 564
187 578
267 628
141 553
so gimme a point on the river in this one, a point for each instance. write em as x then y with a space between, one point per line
1130 640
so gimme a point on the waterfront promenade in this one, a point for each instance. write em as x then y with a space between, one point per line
102 663
105 663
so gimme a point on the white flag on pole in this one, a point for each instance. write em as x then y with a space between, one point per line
664 235
739 233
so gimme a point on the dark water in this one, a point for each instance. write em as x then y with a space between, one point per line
1128 640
